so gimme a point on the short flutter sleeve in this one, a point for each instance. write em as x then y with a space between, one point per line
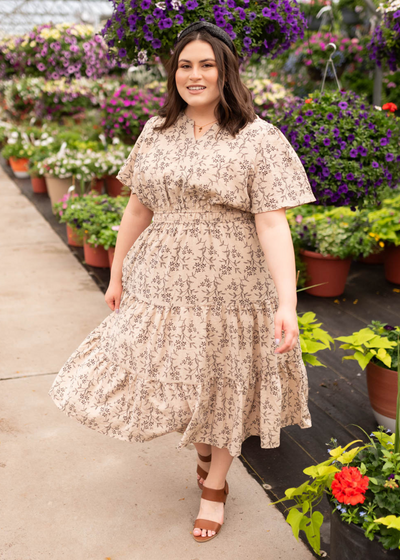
279 179
126 173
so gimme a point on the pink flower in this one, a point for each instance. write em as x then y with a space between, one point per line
299 218
115 228
308 62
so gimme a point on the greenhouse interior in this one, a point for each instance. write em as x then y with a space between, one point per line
81 85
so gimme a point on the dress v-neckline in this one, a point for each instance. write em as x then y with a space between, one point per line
190 126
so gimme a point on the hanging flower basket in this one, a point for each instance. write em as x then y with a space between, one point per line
385 43
139 30
349 149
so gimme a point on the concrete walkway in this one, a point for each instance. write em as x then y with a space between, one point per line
68 492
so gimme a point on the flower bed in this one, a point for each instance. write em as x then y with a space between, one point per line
350 150
56 51
126 112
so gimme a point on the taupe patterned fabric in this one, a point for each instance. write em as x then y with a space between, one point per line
192 348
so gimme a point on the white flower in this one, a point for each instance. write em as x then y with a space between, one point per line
176 4
161 5
378 108
142 56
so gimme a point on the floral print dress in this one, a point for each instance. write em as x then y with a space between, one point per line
192 347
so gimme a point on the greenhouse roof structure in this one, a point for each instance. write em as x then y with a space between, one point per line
20 16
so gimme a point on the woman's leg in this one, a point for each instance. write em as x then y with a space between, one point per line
214 511
203 449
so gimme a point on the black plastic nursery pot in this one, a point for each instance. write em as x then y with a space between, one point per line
348 542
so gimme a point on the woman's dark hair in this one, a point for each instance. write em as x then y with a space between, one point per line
235 108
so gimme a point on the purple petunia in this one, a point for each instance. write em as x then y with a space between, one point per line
351 138
122 53
149 19
383 141
156 44
343 105
168 23
326 142
343 189
389 157
192 4
350 177
252 15
120 33
353 153
330 116
145 5
312 169
309 113
338 176
299 119
375 164
247 42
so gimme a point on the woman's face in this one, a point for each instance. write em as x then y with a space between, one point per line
197 67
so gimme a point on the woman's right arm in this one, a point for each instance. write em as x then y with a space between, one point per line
135 220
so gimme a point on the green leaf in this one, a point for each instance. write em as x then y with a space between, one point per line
391 521
294 519
312 360
311 527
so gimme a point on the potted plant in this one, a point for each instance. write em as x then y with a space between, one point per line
386 225
108 239
327 241
267 28
108 165
362 485
348 148
72 211
375 348
18 151
385 41
105 214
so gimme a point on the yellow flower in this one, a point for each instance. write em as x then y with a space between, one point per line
355 301
32 44
381 244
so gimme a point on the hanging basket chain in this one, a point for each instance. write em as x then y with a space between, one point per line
330 62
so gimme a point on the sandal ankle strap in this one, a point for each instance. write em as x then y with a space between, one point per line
214 495
204 458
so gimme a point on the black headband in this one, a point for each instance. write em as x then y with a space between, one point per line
212 29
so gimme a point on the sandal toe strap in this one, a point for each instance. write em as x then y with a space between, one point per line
207 524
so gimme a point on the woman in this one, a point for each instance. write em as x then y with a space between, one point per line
202 295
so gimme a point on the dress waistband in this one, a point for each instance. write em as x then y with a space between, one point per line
218 216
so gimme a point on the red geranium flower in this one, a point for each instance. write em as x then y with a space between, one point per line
349 486
389 107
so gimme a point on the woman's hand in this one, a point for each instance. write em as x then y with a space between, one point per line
286 320
113 295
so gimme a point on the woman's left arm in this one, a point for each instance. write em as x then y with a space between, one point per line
276 241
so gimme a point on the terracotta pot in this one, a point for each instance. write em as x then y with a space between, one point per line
20 167
375 258
95 256
392 264
114 186
320 268
382 391
348 542
111 252
39 185
73 237
97 186
57 188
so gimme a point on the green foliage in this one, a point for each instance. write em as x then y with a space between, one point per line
378 343
312 338
339 232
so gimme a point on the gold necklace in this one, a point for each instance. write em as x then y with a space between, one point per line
201 127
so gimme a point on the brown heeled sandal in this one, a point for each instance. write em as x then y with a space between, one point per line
214 496
203 474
